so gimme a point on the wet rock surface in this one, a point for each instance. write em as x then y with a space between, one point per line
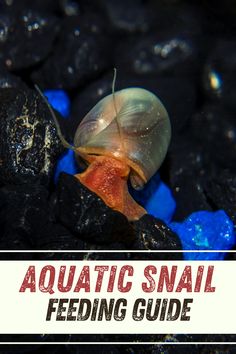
221 192
8 80
214 130
81 53
29 145
128 16
188 166
153 234
168 53
87 216
26 39
20 207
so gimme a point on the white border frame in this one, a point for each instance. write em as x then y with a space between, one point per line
118 251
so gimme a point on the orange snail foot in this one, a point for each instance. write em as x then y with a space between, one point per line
107 177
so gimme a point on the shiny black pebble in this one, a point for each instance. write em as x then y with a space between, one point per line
165 53
23 211
214 129
87 216
188 165
221 191
8 80
29 145
154 234
27 38
80 54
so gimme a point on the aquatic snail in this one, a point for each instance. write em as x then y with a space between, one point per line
125 135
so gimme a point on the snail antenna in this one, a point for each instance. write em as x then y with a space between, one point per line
116 111
113 91
61 137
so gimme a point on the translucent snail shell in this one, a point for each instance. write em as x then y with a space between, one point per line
136 128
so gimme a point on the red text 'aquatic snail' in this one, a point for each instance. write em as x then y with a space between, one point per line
125 135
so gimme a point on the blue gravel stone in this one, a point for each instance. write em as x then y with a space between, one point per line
204 230
156 198
59 100
66 163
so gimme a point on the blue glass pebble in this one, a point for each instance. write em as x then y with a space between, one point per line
59 100
156 198
205 230
66 163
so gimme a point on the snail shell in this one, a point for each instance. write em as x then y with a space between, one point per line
134 128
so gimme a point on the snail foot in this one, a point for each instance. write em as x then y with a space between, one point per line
107 177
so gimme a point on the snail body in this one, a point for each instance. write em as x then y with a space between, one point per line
125 135
139 132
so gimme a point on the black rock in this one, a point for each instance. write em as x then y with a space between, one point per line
52 236
69 7
220 16
186 157
178 94
29 145
178 15
190 197
15 7
128 16
221 192
187 173
214 129
159 349
91 23
154 234
173 46
28 223
167 53
15 241
26 38
8 80
87 216
219 73
81 53
23 210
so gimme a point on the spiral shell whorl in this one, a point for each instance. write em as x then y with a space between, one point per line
142 139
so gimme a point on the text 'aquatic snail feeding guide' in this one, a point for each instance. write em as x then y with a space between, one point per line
117 162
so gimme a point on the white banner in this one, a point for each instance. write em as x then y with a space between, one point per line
78 297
